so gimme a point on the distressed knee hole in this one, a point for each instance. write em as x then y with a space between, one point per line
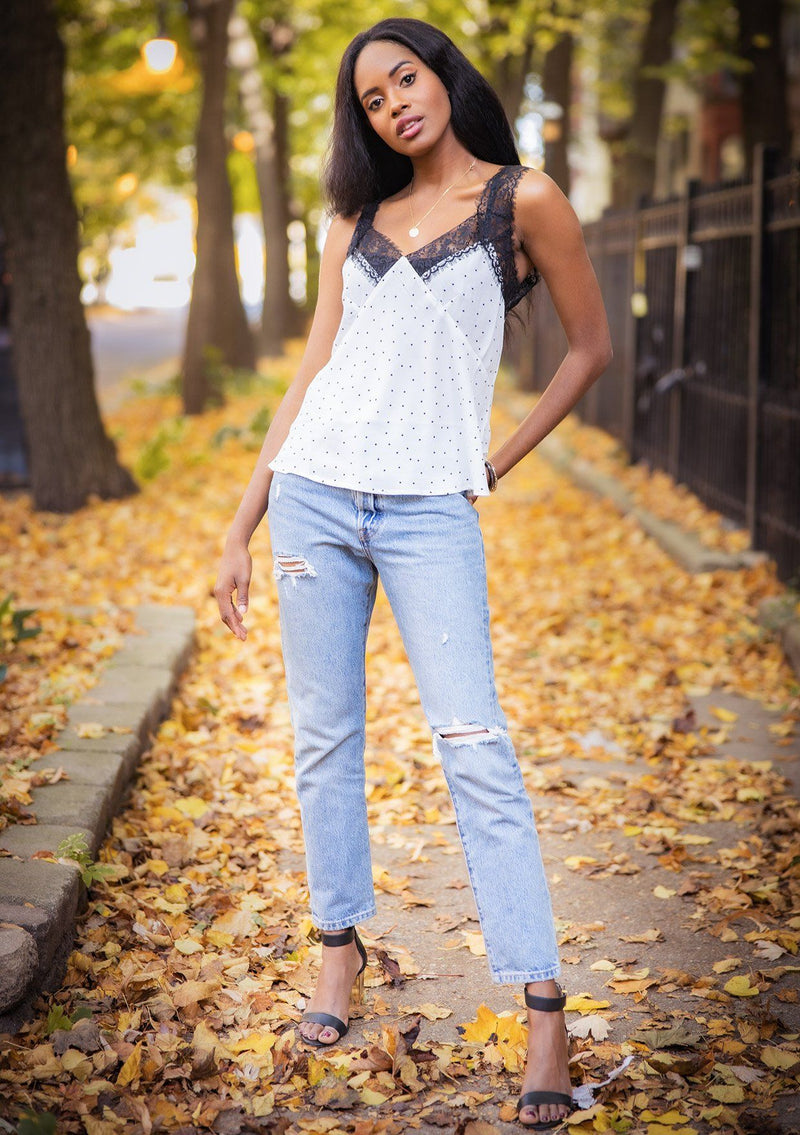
294 566
467 733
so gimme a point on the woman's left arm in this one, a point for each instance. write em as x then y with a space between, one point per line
552 238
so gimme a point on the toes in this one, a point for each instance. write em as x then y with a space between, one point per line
316 1031
542 1113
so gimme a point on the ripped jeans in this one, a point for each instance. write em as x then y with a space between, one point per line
329 545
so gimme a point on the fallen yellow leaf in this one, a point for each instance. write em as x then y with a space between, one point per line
192 806
740 987
187 945
724 714
779 1058
584 1003
92 729
131 1069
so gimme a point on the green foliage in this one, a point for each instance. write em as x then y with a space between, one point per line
120 119
154 455
12 628
251 435
244 186
705 42
224 379
37 1123
14 620
76 848
58 1019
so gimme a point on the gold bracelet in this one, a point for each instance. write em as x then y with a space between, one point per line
490 469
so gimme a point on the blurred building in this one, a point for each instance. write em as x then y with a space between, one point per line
702 126
701 135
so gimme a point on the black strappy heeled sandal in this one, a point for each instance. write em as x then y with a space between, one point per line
338 938
533 1099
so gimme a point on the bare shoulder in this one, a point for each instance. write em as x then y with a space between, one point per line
544 216
538 196
340 230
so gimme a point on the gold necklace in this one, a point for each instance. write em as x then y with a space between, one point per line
414 230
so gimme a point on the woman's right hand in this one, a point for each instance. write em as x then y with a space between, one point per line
235 569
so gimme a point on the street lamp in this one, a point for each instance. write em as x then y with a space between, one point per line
160 53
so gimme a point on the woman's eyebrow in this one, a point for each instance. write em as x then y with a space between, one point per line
395 68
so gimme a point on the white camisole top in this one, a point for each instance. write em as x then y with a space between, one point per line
403 403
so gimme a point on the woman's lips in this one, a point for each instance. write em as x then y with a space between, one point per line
412 129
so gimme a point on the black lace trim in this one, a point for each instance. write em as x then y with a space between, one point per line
497 231
375 271
490 225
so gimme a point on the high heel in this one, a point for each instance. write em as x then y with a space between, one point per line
338 938
534 1098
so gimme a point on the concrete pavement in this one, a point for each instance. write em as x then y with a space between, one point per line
39 899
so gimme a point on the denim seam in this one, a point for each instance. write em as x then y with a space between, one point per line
487 632
465 845
546 971
508 977
369 603
343 923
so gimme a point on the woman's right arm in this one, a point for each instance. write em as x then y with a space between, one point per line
236 566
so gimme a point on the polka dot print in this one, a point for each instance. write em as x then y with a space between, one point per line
403 404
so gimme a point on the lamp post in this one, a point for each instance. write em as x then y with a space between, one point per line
160 52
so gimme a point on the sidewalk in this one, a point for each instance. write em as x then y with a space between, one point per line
671 524
655 723
98 751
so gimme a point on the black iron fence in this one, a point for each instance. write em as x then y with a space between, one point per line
703 299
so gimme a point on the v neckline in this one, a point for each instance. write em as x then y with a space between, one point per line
448 232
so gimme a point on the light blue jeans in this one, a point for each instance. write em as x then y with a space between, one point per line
329 546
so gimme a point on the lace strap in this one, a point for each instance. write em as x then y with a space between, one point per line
364 221
496 220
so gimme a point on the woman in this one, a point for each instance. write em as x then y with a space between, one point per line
371 467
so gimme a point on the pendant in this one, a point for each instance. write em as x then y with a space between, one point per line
413 231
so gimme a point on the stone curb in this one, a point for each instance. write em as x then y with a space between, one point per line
684 547
39 900
779 614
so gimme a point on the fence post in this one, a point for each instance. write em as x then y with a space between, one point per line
597 231
629 360
761 157
679 327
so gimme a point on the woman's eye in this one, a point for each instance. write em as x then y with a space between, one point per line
374 103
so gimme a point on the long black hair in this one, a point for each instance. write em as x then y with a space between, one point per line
359 166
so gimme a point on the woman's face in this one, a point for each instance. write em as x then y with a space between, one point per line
405 102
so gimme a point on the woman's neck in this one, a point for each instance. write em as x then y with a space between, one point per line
435 171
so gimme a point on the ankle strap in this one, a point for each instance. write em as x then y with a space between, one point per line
338 937
546 1004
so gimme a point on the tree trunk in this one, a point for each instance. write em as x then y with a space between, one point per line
71 455
277 317
296 317
765 113
217 329
508 79
557 87
637 167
